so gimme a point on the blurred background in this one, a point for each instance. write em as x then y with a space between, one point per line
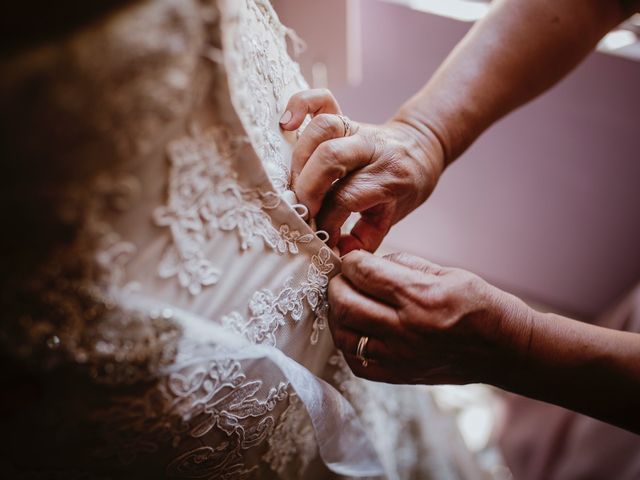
546 204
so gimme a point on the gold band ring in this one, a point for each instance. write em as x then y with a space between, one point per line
347 125
360 351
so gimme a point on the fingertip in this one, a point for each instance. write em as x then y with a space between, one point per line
291 120
286 118
352 257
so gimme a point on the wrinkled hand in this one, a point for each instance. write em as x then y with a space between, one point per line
382 172
426 324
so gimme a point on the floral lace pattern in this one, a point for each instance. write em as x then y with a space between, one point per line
292 441
205 197
190 405
270 311
199 420
265 71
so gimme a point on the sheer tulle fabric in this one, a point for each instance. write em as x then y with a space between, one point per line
343 443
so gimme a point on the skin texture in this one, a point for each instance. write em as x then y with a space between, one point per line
520 49
382 172
431 324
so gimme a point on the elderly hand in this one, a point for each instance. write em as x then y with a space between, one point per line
382 172
425 323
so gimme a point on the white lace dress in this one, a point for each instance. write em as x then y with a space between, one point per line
165 300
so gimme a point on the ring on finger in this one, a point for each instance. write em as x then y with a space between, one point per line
348 128
361 350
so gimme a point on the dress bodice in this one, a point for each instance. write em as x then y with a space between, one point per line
149 191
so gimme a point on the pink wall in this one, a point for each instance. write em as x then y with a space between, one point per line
547 203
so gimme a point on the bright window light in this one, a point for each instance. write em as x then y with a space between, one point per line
624 41
617 39
463 10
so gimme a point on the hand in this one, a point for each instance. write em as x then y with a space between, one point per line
382 172
426 324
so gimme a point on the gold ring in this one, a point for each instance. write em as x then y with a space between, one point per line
347 125
360 351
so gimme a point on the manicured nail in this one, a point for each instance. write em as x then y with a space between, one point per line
286 117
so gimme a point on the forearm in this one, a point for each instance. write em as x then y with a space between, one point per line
589 369
518 51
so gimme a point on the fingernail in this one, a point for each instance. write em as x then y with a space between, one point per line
286 117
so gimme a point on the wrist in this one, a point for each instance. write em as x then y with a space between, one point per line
422 144
512 337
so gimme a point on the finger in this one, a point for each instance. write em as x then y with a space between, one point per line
376 277
376 371
315 101
347 341
331 161
358 192
368 232
414 262
349 309
323 127
407 374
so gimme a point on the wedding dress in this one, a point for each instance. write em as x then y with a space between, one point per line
165 300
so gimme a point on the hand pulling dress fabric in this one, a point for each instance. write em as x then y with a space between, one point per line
165 302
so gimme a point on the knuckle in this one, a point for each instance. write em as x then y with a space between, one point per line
456 279
362 271
400 169
395 256
437 296
418 295
330 158
329 152
468 282
379 144
407 319
402 258
344 197
299 97
325 93
326 123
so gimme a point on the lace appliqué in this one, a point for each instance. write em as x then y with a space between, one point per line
269 310
265 72
289 240
205 197
292 445
216 399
